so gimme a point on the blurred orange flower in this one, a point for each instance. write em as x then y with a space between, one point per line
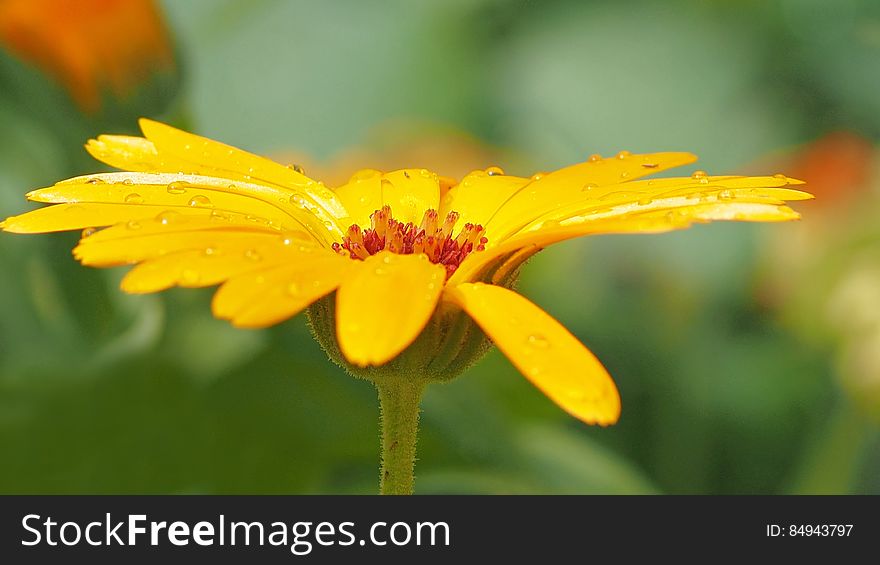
837 166
88 45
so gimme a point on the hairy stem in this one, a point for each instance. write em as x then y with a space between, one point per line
399 403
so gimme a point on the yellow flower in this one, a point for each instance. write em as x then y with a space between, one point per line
88 45
405 253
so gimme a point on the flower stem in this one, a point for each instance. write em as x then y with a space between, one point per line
399 403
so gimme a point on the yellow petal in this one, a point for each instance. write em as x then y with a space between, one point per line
266 297
409 192
362 196
644 207
543 350
126 249
192 268
479 195
65 217
213 158
160 191
384 305
131 153
562 187
642 196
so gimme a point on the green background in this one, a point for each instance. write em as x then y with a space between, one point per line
722 392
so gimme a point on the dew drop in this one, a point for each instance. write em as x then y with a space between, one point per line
537 341
624 175
297 200
166 217
176 187
493 171
386 259
623 154
127 182
644 201
200 201
296 168
210 251
589 186
538 176
594 158
134 198
701 177
726 195
780 176
293 289
88 231
252 255
133 225
94 180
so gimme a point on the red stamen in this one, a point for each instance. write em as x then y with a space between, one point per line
429 237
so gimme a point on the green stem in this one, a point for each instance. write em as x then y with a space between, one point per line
399 403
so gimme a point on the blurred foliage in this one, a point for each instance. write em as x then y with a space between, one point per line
733 378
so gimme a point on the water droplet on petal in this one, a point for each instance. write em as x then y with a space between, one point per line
88 231
127 182
177 187
210 251
134 198
537 341
780 176
645 200
252 255
726 195
623 154
297 200
95 180
538 176
200 201
133 225
379 271
594 158
296 168
701 177
589 186
492 171
166 217
293 289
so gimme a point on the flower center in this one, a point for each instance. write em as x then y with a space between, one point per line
430 237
